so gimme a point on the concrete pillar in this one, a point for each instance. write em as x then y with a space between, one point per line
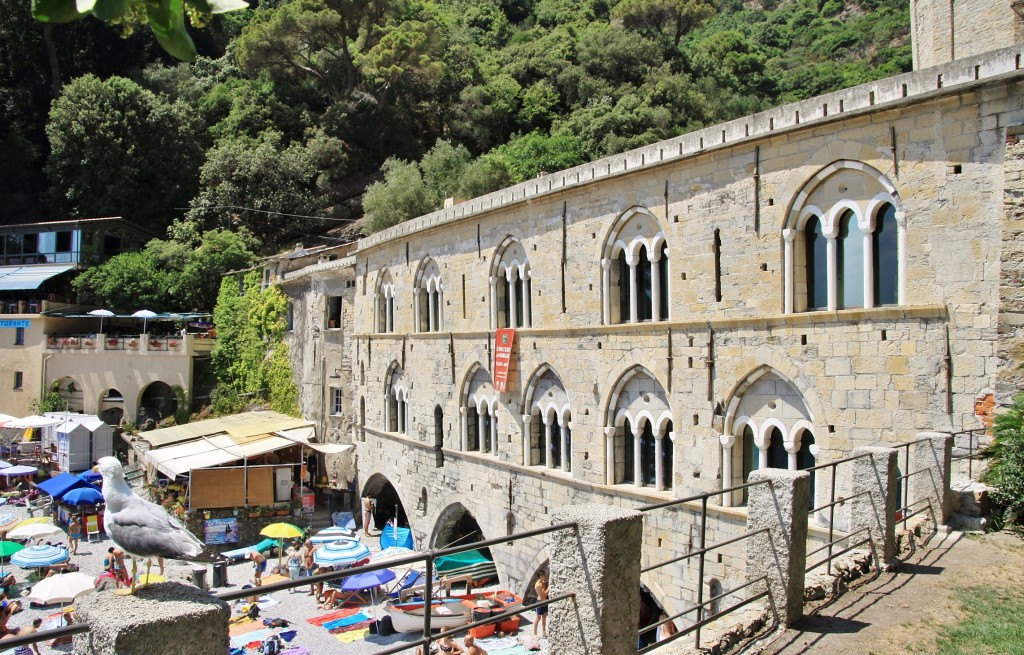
155 621
781 553
600 563
932 455
788 236
876 511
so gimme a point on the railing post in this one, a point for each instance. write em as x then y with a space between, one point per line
781 552
875 510
600 563
934 452
166 619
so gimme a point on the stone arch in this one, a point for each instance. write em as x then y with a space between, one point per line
427 296
111 407
547 418
71 392
157 401
610 404
451 524
611 243
389 500
637 411
799 197
635 279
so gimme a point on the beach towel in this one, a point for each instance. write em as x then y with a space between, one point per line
254 636
353 635
243 628
266 601
358 617
331 616
296 650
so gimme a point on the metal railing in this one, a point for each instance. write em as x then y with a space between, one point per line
903 512
831 505
700 553
427 558
973 448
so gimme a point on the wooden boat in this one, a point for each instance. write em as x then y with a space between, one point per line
499 601
444 614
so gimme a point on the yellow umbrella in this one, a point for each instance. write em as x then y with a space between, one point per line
281 531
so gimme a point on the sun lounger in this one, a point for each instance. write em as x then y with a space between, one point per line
410 579
240 553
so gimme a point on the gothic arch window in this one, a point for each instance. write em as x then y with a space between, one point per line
638 433
547 430
396 401
384 303
479 413
635 281
845 241
767 425
427 298
511 287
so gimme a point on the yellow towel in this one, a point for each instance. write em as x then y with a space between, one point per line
353 635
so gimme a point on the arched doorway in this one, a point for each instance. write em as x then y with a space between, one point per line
111 407
70 392
389 505
157 402
456 526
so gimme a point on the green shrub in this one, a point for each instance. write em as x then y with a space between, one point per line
1005 472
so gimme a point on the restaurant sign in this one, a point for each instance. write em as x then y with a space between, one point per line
14 323
503 342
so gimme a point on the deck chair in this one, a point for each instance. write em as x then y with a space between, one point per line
92 527
410 579
261 547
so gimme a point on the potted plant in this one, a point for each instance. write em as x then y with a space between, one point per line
89 341
173 343
133 343
112 341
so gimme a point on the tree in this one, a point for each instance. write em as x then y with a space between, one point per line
116 149
1005 471
401 195
672 17
528 156
124 283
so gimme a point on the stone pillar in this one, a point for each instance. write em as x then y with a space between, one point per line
545 457
464 411
781 553
526 299
727 441
632 290
933 454
480 414
606 285
417 319
637 452
432 311
527 437
600 563
792 448
494 430
510 276
788 236
609 455
494 302
654 258
875 511
869 269
154 621
831 267
564 444
901 254
659 469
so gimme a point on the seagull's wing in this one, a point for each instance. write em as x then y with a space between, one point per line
146 529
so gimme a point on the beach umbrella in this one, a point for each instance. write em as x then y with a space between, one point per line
391 553
370 580
281 531
8 548
340 553
82 496
34 421
63 588
35 557
5 465
328 535
101 313
145 315
89 476
33 530
5 418
14 471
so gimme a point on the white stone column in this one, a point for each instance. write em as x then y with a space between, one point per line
831 273
609 455
546 456
494 430
494 302
792 449
376 313
439 301
901 254
416 309
510 276
387 411
527 436
632 290
727 441
788 238
637 481
526 299
762 452
563 444
659 471
869 270
464 411
606 284
432 309
654 258
480 413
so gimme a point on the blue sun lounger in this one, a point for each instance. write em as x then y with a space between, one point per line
240 553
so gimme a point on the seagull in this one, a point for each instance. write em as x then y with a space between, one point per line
139 527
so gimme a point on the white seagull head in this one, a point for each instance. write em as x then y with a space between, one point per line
110 467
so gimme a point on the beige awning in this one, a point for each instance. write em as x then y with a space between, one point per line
206 452
240 426
304 435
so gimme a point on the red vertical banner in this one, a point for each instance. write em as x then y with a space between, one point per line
503 342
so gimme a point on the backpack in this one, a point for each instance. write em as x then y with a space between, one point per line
271 645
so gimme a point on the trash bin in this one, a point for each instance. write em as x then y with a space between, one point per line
219 577
199 577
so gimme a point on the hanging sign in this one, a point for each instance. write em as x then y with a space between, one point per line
503 342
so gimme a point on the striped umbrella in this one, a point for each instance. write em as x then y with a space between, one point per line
328 535
340 553
35 557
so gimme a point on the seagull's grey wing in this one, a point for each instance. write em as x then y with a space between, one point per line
146 529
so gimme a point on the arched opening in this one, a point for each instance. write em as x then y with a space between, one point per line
457 526
388 507
751 454
849 262
778 458
71 393
647 453
635 281
805 458
816 264
885 257
157 403
666 456
111 407
650 611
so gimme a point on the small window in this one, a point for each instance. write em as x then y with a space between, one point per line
19 336
19 380
64 241
334 312
290 318
336 401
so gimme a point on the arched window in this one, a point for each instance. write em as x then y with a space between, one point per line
844 242
849 262
777 456
511 287
666 455
479 413
885 257
639 433
384 303
427 297
396 401
547 433
635 283
817 264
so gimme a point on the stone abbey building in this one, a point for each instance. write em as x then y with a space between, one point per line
771 292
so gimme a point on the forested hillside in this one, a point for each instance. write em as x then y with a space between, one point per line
294 108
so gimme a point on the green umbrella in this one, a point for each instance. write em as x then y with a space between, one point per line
8 548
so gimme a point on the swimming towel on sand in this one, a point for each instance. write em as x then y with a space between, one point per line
358 617
353 635
331 616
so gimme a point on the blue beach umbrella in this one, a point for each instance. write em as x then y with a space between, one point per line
89 476
35 557
340 553
82 496
328 535
364 581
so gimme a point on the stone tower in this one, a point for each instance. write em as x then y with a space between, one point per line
946 30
